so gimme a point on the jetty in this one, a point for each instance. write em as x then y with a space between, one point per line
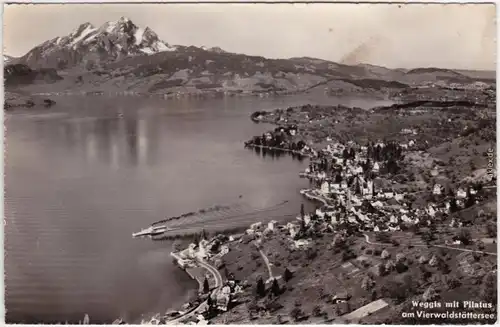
197 269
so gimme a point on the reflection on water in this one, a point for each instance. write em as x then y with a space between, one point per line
82 177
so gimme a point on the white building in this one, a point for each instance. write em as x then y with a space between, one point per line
388 195
461 194
438 189
325 188
376 167
320 213
431 211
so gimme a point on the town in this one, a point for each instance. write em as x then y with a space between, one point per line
395 221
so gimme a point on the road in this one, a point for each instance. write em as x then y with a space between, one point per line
268 264
202 306
367 239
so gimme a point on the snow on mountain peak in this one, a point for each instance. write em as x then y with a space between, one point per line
109 42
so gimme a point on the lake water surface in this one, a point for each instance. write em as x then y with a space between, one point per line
84 175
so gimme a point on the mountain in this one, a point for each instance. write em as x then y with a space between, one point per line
120 56
91 46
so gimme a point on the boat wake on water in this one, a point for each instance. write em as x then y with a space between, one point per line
215 214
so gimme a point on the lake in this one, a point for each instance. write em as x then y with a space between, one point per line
84 175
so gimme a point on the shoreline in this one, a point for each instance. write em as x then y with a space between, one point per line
382 225
293 152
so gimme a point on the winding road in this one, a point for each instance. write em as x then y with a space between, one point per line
266 260
201 307
367 239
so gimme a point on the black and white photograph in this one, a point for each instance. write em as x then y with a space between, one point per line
250 163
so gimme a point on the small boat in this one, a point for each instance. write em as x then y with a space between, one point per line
152 231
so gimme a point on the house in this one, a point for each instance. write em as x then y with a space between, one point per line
406 219
388 195
461 194
438 189
300 243
334 187
271 224
343 184
369 186
341 297
307 220
325 187
222 301
376 167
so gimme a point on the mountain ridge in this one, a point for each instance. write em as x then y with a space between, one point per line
120 55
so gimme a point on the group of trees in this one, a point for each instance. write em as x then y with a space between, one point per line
391 151
278 140
260 288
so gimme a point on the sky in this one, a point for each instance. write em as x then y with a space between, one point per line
457 36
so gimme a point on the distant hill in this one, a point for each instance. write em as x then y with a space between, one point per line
19 74
122 56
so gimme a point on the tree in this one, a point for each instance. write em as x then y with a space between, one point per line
452 283
287 275
357 189
471 199
317 312
464 236
275 288
196 239
296 314
367 283
427 237
430 294
261 287
489 289
302 211
209 300
491 229
206 286
453 205
177 246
